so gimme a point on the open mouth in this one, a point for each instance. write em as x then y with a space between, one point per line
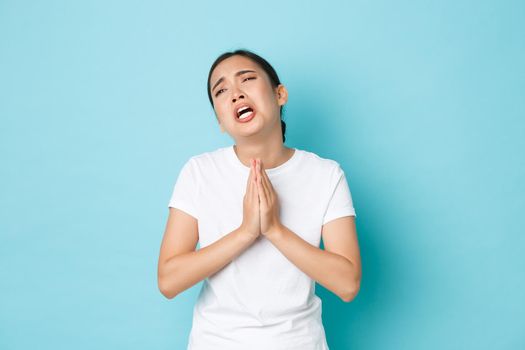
244 113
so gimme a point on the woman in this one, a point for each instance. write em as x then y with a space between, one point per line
258 209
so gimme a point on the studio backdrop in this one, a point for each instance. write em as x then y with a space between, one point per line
421 102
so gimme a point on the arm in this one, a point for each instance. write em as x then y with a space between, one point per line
180 266
337 268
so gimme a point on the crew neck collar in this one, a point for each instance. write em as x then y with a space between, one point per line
293 159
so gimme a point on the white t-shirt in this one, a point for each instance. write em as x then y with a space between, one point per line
260 300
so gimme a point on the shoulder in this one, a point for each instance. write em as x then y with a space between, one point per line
315 161
207 159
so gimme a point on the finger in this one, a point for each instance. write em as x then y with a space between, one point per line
262 192
250 178
255 175
265 182
251 182
255 190
257 194
254 194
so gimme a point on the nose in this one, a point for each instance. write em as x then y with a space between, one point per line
237 95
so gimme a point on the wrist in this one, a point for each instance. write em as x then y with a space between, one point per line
245 235
275 232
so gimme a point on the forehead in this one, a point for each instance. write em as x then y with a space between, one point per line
232 65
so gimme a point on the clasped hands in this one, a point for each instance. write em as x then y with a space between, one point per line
260 204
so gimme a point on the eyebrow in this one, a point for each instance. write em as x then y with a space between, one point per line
236 74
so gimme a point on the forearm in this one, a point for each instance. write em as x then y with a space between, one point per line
182 271
332 271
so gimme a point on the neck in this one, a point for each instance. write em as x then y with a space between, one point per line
271 154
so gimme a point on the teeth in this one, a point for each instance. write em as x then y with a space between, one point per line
245 115
242 109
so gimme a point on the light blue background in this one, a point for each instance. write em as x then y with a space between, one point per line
421 102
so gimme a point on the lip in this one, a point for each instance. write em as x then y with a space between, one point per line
245 120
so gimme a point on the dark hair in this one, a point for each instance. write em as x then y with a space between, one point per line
274 79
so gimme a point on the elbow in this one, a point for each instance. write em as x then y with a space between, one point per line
165 289
351 292
167 294
164 284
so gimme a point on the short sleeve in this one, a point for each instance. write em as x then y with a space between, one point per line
184 194
340 203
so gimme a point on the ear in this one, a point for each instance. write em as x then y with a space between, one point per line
282 95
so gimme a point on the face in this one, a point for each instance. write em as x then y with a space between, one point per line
239 81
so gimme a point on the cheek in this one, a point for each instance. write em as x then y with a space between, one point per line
270 101
222 113
260 94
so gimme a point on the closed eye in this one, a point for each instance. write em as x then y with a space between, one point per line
220 90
